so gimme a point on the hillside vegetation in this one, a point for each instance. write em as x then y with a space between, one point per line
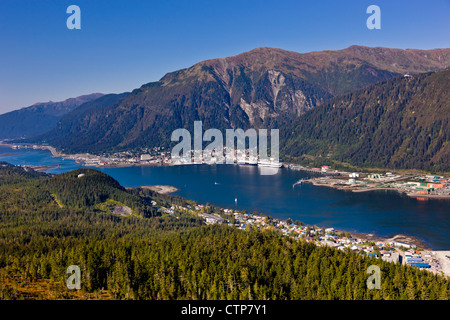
170 257
401 123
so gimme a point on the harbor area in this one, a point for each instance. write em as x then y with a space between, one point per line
422 187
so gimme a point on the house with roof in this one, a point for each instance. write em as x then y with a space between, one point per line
402 244
420 265
212 218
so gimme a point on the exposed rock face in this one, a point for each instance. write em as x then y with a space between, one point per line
263 88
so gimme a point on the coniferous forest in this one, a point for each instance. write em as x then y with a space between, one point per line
401 123
48 223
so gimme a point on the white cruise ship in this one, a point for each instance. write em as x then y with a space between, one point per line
270 164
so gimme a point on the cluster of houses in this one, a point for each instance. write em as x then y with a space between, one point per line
422 260
412 185
125 158
429 185
319 236
425 183
393 251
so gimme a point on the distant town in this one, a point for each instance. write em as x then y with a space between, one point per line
421 186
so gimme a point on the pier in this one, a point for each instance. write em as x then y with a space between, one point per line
299 182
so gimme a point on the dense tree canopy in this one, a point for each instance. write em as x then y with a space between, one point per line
401 123
171 257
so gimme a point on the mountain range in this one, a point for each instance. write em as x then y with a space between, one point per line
262 88
265 87
38 118
400 123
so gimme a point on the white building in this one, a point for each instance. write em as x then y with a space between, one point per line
212 218
145 157
402 244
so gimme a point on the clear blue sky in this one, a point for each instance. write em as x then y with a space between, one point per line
124 44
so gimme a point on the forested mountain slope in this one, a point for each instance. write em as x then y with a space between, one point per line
400 123
172 257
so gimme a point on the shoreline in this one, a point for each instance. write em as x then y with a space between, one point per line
400 237
314 182
160 188
428 196
285 165
166 189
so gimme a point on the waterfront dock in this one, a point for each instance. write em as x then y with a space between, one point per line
313 170
299 182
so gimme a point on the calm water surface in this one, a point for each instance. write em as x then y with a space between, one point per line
384 213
